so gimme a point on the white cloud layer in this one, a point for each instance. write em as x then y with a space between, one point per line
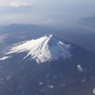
18 4
55 12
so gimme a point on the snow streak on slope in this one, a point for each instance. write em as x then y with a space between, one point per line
47 48
5 57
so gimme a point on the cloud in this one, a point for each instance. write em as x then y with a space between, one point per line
44 11
21 4
49 21
18 4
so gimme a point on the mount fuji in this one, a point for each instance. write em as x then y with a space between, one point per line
64 69
46 48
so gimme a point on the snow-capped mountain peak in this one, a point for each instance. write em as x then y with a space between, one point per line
47 48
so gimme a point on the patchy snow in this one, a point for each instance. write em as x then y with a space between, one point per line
63 84
94 91
47 48
7 77
5 57
84 80
40 83
50 86
80 68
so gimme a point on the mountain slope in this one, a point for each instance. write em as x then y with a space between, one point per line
73 76
47 48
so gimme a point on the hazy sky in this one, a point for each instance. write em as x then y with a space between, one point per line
46 11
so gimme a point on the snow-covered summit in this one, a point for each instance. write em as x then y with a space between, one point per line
47 48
